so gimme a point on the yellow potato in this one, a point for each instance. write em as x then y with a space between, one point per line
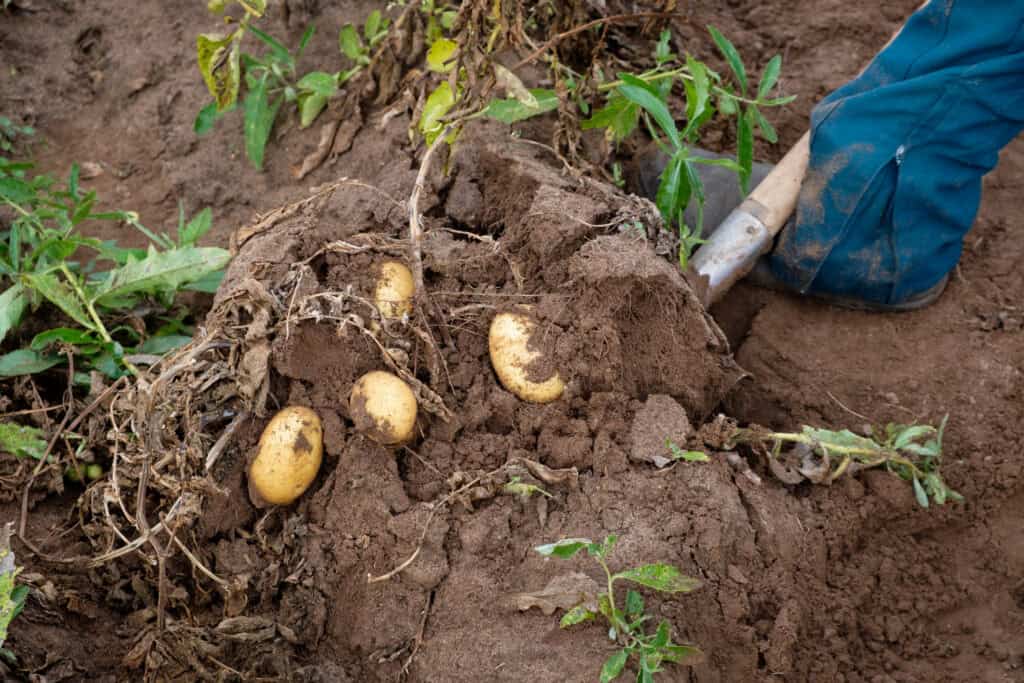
395 290
509 340
383 407
287 458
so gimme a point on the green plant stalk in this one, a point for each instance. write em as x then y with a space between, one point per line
91 310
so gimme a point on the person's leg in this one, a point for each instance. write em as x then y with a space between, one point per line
897 157
898 154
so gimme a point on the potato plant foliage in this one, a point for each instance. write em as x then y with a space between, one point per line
109 308
271 79
628 621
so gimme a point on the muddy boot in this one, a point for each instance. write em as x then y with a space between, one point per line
723 193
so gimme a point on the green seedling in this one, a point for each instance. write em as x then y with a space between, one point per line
628 624
686 456
109 302
911 452
12 596
272 79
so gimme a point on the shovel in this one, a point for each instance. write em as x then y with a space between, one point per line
747 233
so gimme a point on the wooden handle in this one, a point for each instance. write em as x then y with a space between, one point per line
779 190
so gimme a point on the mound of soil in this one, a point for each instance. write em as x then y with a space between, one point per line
619 322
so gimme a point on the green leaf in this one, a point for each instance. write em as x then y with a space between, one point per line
614 665
207 283
634 603
723 162
158 346
843 437
306 35
13 301
196 228
936 487
732 56
727 105
678 653
511 110
16 191
688 456
350 43
319 82
577 615
674 189
440 53
218 58
66 335
57 292
278 51
310 106
372 25
259 120
206 119
160 271
661 577
922 497
745 149
438 104
698 92
767 129
22 441
620 115
662 51
565 548
662 635
25 362
647 96
770 76
909 434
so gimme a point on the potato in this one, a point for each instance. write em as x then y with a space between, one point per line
287 458
511 356
395 290
383 407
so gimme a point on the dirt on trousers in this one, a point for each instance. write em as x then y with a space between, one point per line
845 583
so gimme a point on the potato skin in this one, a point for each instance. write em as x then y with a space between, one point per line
510 355
288 457
383 407
394 291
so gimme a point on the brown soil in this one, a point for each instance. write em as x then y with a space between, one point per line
845 583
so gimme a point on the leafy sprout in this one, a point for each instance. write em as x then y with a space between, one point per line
272 79
628 623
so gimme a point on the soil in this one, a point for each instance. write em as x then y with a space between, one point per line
851 582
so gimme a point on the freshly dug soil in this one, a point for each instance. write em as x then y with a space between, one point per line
845 583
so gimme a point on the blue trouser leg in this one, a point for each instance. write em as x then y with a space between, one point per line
898 154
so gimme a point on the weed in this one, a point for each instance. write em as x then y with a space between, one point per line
272 79
911 452
12 596
107 308
628 625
